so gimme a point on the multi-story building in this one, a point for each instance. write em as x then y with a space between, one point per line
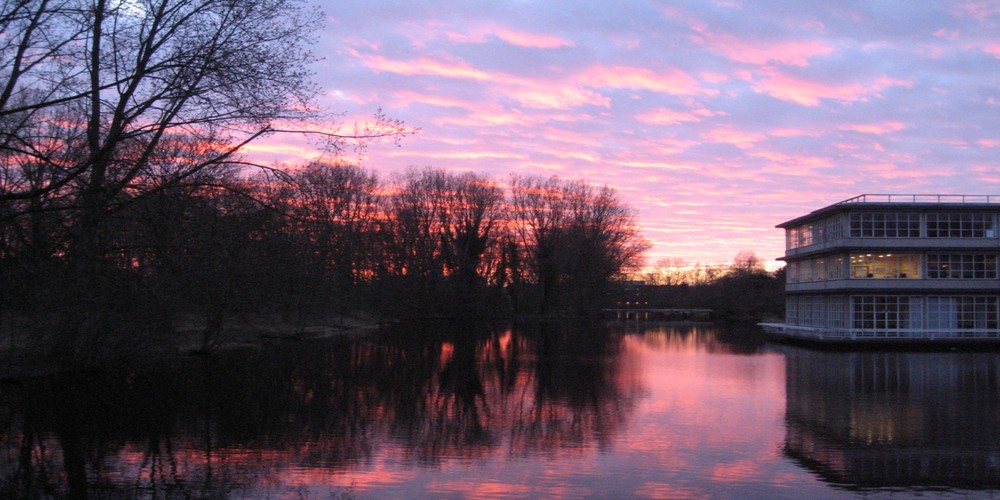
881 267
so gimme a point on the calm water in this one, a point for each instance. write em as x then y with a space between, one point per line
618 410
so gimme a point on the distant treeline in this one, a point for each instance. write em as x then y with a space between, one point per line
743 291
311 242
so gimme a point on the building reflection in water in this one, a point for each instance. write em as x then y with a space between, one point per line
895 419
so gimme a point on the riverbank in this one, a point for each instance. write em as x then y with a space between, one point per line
20 358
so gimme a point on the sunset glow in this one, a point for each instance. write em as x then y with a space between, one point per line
714 120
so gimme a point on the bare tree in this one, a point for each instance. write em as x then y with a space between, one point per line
104 102
336 213
576 240
540 213
444 231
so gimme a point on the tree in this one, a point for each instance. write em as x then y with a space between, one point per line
106 102
444 229
539 217
575 240
336 210
747 262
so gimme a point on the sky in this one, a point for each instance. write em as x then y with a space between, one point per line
713 120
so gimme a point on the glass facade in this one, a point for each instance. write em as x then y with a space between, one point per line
813 234
962 312
885 225
960 225
825 268
894 266
874 224
885 266
887 274
897 314
818 311
961 266
885 312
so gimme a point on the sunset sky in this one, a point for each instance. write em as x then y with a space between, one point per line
714 120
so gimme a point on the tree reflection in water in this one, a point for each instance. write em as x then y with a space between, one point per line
255 422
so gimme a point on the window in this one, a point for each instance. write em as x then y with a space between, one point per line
885 225
885 312
962 313
833 230
961 266
814 234
960 225
801 236
885 266
819 269
816 311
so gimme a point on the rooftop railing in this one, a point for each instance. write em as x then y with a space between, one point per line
923 198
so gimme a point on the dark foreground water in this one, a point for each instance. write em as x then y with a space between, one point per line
619 410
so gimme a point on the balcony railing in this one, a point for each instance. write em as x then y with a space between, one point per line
920 334
923 198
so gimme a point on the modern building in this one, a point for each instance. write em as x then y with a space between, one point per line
881 267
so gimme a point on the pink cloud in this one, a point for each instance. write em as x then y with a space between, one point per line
538 95
665 80
658 165
946 34
883 128
979 9
486 119
800 161
423 66
663 146
571 137
988 143
993 49
406 98
467 155
481 33
664 116
811 92
667 116
531 40
797 132
760 52
726 135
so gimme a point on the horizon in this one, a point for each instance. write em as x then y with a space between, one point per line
714 121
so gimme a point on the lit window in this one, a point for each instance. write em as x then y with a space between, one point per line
885 266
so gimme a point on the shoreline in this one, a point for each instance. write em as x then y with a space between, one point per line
23 361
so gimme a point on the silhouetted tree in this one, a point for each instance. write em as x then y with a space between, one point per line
337 214
442 227
575 241
106 102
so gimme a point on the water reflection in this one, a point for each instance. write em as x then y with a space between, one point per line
259 422
895 419
538 410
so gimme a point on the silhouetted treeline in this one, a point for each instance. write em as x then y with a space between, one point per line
125 199
316 241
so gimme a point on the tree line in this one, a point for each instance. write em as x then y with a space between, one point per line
314 241
122 124
128 205
743 291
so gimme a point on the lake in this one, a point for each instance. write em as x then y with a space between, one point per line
622 410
